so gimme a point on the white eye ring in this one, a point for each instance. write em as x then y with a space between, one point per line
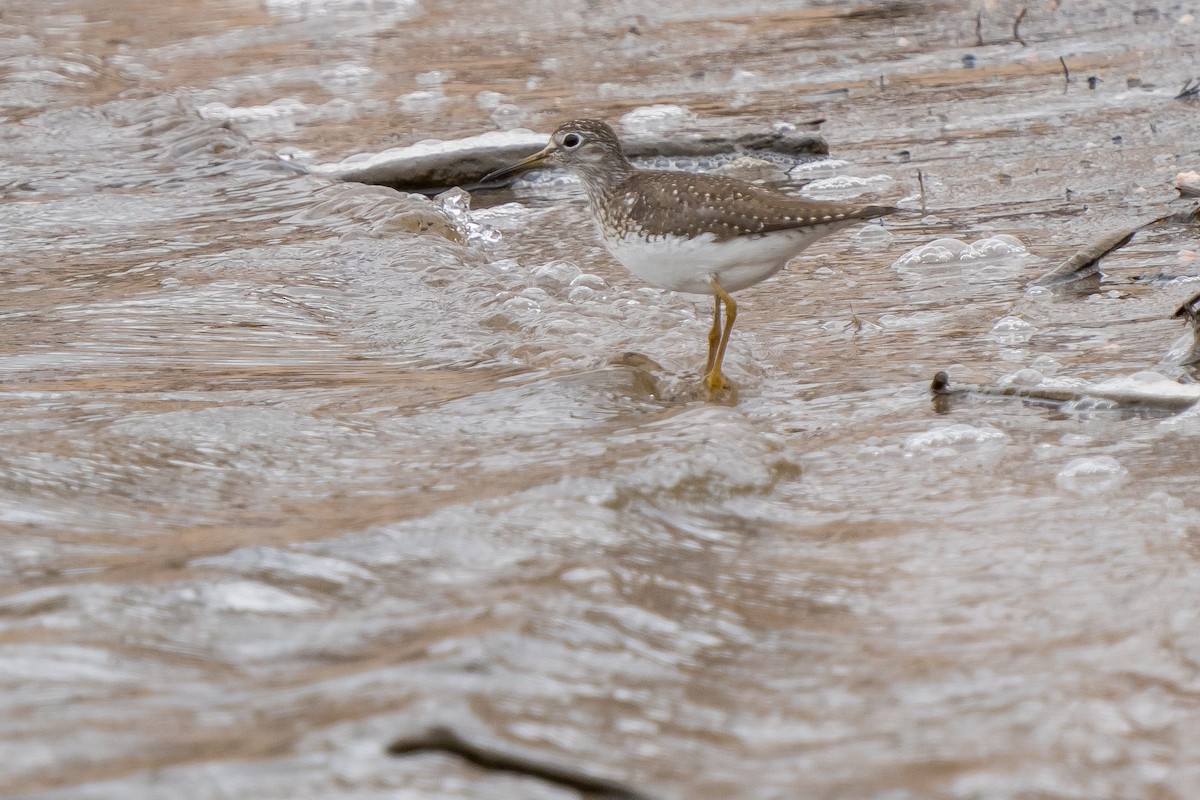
572 140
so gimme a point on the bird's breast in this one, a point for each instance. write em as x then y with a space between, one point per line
684 263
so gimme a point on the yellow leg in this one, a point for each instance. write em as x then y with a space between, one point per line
714 380
714 335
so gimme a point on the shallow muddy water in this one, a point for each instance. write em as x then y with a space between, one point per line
294 469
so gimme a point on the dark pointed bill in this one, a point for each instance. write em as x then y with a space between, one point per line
504 172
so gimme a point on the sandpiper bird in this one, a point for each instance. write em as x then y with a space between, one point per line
694 233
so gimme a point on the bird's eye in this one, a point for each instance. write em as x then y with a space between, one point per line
572 140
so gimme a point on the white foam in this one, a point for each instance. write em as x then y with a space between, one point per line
947 250
952 436
259 598
276 109
841 187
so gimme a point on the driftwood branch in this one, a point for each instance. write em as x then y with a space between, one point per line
1191 312
1127 399
1085 263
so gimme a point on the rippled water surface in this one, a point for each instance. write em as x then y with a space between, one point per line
294 468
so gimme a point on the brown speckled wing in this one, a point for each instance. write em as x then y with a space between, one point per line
689 204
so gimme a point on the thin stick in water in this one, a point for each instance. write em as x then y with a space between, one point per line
1017 27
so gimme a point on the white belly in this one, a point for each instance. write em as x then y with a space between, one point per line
684 265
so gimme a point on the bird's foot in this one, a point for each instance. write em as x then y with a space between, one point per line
717 388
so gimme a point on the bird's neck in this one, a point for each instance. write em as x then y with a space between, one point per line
602 181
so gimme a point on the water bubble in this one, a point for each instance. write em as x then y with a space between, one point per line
1012 330
820 168
556 275
536 294
1023 377
939 251
995 246
434 77
872 235
422 102
520 304
347 77
490 101
581 294
1086 406
662 118
1091 475
339 109
1046 365
591 281
506 116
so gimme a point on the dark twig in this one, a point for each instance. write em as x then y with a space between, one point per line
1017 27
979 29
447 740
1190 89
857 324
1066 72
921 183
